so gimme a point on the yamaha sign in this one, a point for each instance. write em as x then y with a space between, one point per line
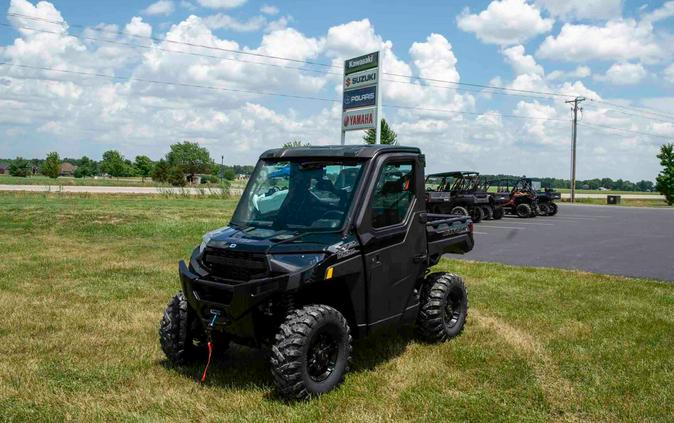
361 99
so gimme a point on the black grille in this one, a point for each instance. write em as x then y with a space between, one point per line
236 265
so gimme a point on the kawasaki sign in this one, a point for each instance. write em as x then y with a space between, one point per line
361 99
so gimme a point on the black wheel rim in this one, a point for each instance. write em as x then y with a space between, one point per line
322 357
453 309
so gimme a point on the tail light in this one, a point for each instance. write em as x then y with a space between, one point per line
470 228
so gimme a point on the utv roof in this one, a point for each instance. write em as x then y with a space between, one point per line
453 174
359 151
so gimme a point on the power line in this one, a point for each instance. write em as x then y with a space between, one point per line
648 134
644 111
314 63
256 92
276 65
632 114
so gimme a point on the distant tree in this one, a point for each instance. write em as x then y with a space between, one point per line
113 164
19 167
85 168
144 166
190 158
645 186
388 136
161 170
52 165
664 183
229 174
176 177
296 142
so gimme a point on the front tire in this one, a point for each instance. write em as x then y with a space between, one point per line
311 352
181 334
488 212
498 213
553 209
523 210
443 309
543 210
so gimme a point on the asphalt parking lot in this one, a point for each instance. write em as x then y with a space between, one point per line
627 241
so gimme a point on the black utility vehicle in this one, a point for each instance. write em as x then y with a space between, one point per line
545 198
458 193
326 243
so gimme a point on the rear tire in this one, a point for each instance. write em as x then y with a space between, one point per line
553 209
443 307
181 334
458 210
476 214
498 213
311 352
523 210
488 212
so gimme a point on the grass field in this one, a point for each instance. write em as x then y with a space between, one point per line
108 182
84 281
627 202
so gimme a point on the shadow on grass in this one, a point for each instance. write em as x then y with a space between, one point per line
243 368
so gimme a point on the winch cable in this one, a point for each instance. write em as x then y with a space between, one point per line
210 345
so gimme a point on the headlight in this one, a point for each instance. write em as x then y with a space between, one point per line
206 239
294 262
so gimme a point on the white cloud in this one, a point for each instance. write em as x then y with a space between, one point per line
161 7
579 72
222 21
668 73
520 62
505 22
617 40
221 4
138 27
664 12
269 10
582 9
624 74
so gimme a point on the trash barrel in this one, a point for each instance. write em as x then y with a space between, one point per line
612 199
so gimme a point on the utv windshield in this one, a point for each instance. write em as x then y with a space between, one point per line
298 195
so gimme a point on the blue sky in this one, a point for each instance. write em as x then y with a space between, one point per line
618 54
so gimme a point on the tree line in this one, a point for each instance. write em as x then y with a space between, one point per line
178 167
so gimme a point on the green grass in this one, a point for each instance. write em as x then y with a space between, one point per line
627 202
84 281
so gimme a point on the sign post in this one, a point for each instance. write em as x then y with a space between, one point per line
361 104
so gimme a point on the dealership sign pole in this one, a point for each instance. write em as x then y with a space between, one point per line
361 104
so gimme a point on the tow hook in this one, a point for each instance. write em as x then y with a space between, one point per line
209 329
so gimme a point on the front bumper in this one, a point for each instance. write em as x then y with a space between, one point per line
236 301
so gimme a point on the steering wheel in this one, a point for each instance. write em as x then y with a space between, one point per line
271 191
333 214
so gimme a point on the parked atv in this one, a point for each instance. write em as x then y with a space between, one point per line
522 200
457 193
326 244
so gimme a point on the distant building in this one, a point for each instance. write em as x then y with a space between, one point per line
67 169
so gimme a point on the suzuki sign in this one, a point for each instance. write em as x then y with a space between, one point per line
361 105
361 79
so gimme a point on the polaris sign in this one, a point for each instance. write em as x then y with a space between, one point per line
361 79
361 99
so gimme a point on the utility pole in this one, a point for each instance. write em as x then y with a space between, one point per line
222 168
574 132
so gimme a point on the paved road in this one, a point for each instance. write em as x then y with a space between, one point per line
617 240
